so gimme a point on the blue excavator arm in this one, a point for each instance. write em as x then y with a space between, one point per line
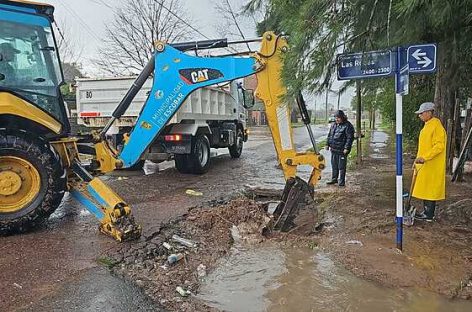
176 76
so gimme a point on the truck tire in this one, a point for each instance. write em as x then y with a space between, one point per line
200 156
237 149
182 163
32 181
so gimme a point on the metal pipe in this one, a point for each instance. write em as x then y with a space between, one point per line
306 118
128 98
312 138
209 44
259 39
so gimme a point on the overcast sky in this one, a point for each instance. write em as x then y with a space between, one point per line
86 20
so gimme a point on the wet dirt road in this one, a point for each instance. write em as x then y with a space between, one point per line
57 267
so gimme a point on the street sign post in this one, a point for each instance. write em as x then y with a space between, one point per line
365 65
401 86
414 59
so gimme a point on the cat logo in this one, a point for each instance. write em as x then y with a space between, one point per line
198 75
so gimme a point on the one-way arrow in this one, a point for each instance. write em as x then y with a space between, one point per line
418 54
425 62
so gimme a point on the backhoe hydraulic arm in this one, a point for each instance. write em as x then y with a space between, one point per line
177 74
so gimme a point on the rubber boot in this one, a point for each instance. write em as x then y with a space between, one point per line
342 177
429 208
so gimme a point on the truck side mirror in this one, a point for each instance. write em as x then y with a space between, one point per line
248 98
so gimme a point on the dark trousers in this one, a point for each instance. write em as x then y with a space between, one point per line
429 207
338 164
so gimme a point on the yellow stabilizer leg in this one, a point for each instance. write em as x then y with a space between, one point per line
113 213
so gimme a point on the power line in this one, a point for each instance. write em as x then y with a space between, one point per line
103 3
80 20
181 19
236 23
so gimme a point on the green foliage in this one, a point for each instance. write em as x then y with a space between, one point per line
107 262
380 94
320 29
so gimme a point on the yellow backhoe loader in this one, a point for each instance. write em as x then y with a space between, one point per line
39 160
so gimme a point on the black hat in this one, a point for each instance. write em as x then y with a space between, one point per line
340 114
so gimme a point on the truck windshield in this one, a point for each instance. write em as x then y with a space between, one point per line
29 64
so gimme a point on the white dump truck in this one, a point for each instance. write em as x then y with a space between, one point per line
215 112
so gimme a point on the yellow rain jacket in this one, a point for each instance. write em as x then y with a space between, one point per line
431 179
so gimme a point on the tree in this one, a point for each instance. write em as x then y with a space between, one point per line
130 38
320 29
70 50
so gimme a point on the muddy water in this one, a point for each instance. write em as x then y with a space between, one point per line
270 279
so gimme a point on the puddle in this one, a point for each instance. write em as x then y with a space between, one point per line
379 137
241 280
378 143
270 279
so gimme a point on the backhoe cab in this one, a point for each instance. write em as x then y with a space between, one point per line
39 161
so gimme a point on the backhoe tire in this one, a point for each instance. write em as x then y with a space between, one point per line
200 156
182 163
236 150
32 181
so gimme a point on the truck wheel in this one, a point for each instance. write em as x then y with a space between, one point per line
182 163
237 149
200 156
32 181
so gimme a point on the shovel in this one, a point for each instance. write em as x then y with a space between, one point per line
409 211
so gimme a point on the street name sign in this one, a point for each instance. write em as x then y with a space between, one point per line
365 65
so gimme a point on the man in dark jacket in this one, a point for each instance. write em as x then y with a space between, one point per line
340 138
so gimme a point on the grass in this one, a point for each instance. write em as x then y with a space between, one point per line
301 124
107 261
319 146
352 157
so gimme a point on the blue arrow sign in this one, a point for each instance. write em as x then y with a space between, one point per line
365 65
422 58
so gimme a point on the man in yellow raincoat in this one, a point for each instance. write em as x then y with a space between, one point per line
430 162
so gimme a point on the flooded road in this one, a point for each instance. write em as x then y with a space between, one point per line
44 262
276 280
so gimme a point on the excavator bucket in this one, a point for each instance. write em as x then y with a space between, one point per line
293 199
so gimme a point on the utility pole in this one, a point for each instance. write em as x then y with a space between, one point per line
358 122
339 98
314 118
326 109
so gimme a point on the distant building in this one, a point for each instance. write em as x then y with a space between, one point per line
256 116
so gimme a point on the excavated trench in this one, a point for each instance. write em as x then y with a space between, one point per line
234 267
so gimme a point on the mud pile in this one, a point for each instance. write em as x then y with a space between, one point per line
211 229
